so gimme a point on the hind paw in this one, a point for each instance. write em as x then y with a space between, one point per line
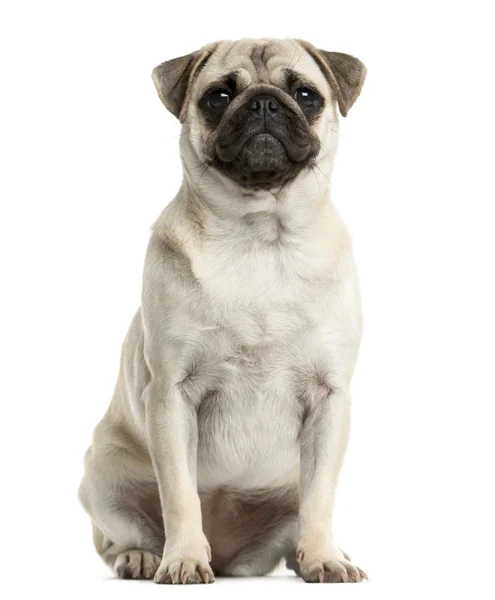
136 564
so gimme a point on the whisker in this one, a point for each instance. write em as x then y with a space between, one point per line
197 137
206 169
334 130
201 165
317 182
337 132
325 176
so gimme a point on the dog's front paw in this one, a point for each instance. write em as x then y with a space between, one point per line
332 566
185 565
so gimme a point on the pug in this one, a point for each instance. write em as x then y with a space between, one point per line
221 449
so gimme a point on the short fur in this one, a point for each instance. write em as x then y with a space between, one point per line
221 448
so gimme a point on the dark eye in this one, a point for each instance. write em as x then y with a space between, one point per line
306 97
218 99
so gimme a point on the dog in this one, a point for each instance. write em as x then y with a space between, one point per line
222 446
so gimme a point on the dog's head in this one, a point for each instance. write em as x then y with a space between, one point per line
259 112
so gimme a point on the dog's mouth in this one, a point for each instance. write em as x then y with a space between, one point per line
262 161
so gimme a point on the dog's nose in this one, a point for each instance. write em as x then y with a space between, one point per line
264 103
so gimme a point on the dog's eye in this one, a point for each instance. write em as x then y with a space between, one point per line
218 99
306 97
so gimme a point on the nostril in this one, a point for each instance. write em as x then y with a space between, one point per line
264 103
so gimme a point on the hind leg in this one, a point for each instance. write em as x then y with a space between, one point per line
291 562
127 524
265 551
135 554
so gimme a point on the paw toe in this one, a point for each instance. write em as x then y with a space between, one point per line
185 572
136 564
333 571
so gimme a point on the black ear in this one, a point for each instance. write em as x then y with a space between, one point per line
173 79
345 73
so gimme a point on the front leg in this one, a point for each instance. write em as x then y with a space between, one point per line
173 438
324 436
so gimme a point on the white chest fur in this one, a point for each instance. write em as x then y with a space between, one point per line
270 310
261 276
249 425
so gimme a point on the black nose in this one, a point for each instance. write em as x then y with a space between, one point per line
264 103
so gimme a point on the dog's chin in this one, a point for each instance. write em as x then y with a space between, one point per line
262 164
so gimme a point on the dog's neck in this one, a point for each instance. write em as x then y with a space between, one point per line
222 205
299 219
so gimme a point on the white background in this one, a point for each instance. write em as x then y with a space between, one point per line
89 157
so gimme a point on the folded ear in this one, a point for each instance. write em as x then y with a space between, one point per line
173 79
345 73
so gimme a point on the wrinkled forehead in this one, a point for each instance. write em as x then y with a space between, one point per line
260 62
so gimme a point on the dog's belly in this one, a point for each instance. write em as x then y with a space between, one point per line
249 435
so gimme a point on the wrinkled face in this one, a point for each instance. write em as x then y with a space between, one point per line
260 104
258 112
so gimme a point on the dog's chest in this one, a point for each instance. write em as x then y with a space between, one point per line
261 294
249 422
266 299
